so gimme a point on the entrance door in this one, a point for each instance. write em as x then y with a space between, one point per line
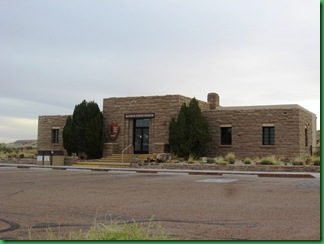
141 136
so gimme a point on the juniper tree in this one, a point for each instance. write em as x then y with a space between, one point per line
83 131
189 133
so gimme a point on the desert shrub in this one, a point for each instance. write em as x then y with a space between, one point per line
298 161
210 160
317 152
270 160
307 159
191 159
316 161
266 161
247 161
112 231
283 159
230 158
220 161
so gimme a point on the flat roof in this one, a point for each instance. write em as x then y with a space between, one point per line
280 106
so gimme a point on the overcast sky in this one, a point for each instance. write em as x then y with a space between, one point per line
55 53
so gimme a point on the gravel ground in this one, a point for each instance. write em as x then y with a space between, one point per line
189 207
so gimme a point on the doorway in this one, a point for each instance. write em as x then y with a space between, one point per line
141 136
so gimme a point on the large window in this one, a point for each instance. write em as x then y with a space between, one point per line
226 135
55 135
268 135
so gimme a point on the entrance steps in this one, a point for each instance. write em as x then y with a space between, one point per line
114 161
118 158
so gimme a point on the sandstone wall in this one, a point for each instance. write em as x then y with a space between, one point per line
45 126
164 107
289 122
305 122
232 167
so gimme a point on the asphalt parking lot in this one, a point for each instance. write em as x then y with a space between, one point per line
188 207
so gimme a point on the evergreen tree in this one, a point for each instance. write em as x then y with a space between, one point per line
69 136
93 137
83 132
189 133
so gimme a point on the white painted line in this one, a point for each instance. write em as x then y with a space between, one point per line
121 172
217 180
173 173
241 175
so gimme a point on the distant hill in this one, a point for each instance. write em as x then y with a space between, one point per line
23 143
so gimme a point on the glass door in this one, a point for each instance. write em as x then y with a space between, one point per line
145 140
141 136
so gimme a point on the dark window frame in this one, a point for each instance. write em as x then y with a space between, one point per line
226 136
268 135
55 135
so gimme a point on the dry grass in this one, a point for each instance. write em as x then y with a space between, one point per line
112 231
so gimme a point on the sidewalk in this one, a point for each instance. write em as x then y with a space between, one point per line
183 171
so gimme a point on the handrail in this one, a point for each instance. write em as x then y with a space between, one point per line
124 151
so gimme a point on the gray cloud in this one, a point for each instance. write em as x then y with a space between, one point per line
56 53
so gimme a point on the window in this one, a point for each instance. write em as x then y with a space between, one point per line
306 137
226 135
142 122
268 135
55 135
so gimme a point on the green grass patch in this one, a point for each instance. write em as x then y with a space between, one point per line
112 231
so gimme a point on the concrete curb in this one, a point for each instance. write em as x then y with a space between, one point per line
155 171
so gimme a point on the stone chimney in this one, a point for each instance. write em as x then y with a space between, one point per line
213 100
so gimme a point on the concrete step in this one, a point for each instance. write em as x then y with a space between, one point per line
126 158
114 161
102 164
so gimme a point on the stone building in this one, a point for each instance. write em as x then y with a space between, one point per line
250 131
50 130
139 125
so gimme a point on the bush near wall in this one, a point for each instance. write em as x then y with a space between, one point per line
83 131
189 133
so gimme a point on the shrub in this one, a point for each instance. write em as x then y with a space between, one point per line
230 157
270 160
220 161
210 160
317 152
283 159
316 161
266 161
308 159
298 161
191 159
112 231
247 161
